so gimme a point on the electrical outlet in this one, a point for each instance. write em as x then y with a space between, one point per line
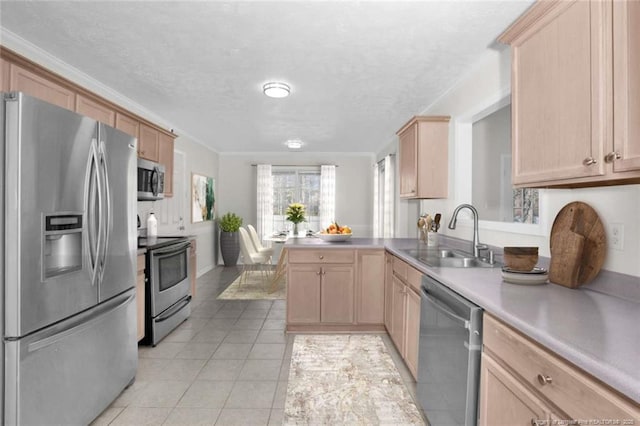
617 236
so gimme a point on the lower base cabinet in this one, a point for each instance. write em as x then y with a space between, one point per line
140 295
402 315
524 383
505 401
335 289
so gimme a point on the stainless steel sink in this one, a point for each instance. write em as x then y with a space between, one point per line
448 258
455 262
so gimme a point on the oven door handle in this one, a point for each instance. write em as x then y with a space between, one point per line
173 310
174 248
445 310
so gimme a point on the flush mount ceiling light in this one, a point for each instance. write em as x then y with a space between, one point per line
294 143
276 89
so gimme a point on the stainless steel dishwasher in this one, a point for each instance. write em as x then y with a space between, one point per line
448 356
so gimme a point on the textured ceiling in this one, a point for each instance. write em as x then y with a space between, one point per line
358 70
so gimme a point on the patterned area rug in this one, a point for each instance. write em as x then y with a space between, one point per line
255 287
346 380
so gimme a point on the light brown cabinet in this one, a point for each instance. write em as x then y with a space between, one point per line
148 143
165 157
626 86
4 76
24 80
336 294
527 383
388 290
403 320
423 145
303 294
575 90
95 109
140 295
505 402
127 124
322 293
370 286
335 289
193 265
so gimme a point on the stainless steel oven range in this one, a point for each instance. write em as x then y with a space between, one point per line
168 289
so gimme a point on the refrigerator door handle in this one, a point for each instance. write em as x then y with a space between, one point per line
106 207
93 222
52 336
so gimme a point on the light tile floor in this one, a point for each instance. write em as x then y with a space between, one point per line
228 364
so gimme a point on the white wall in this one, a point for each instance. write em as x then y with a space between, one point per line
486 84
354 184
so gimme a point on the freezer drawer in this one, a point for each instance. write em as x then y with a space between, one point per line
82 363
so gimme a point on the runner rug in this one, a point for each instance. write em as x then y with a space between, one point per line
346 380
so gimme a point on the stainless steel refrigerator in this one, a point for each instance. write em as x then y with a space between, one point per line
68 219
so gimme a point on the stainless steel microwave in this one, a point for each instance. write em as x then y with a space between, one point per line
150 180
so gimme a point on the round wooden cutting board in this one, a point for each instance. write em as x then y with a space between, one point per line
578 245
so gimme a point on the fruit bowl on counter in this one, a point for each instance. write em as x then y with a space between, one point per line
332 238
335 233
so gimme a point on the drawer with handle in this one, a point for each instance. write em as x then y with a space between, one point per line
321 256
570 389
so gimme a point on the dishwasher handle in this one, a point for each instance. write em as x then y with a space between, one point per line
445 310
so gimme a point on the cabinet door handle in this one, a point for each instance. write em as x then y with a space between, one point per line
318 273
612 156
544 380
321 257
589 161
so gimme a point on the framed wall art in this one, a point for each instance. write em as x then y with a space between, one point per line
202 198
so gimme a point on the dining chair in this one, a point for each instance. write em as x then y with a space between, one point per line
251 259
268 251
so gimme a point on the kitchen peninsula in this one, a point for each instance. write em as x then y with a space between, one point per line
332 285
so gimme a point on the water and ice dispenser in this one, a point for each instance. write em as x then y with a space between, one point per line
62 244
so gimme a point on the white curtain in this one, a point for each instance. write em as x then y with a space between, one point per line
376 200
388 217
327 195
264 222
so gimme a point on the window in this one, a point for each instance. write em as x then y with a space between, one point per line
296 185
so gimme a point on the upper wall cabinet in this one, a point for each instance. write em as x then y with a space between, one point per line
24 80
128 124
575 91
423 150
95 109
148 143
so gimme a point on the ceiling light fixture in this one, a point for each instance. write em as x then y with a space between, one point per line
276 89
294 144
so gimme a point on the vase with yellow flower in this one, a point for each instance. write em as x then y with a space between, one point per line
295 214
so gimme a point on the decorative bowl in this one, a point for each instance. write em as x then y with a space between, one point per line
520 258
333 238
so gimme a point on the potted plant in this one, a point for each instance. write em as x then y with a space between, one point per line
229 239
295 213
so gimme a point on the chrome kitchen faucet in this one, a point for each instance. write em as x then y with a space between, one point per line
476 241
